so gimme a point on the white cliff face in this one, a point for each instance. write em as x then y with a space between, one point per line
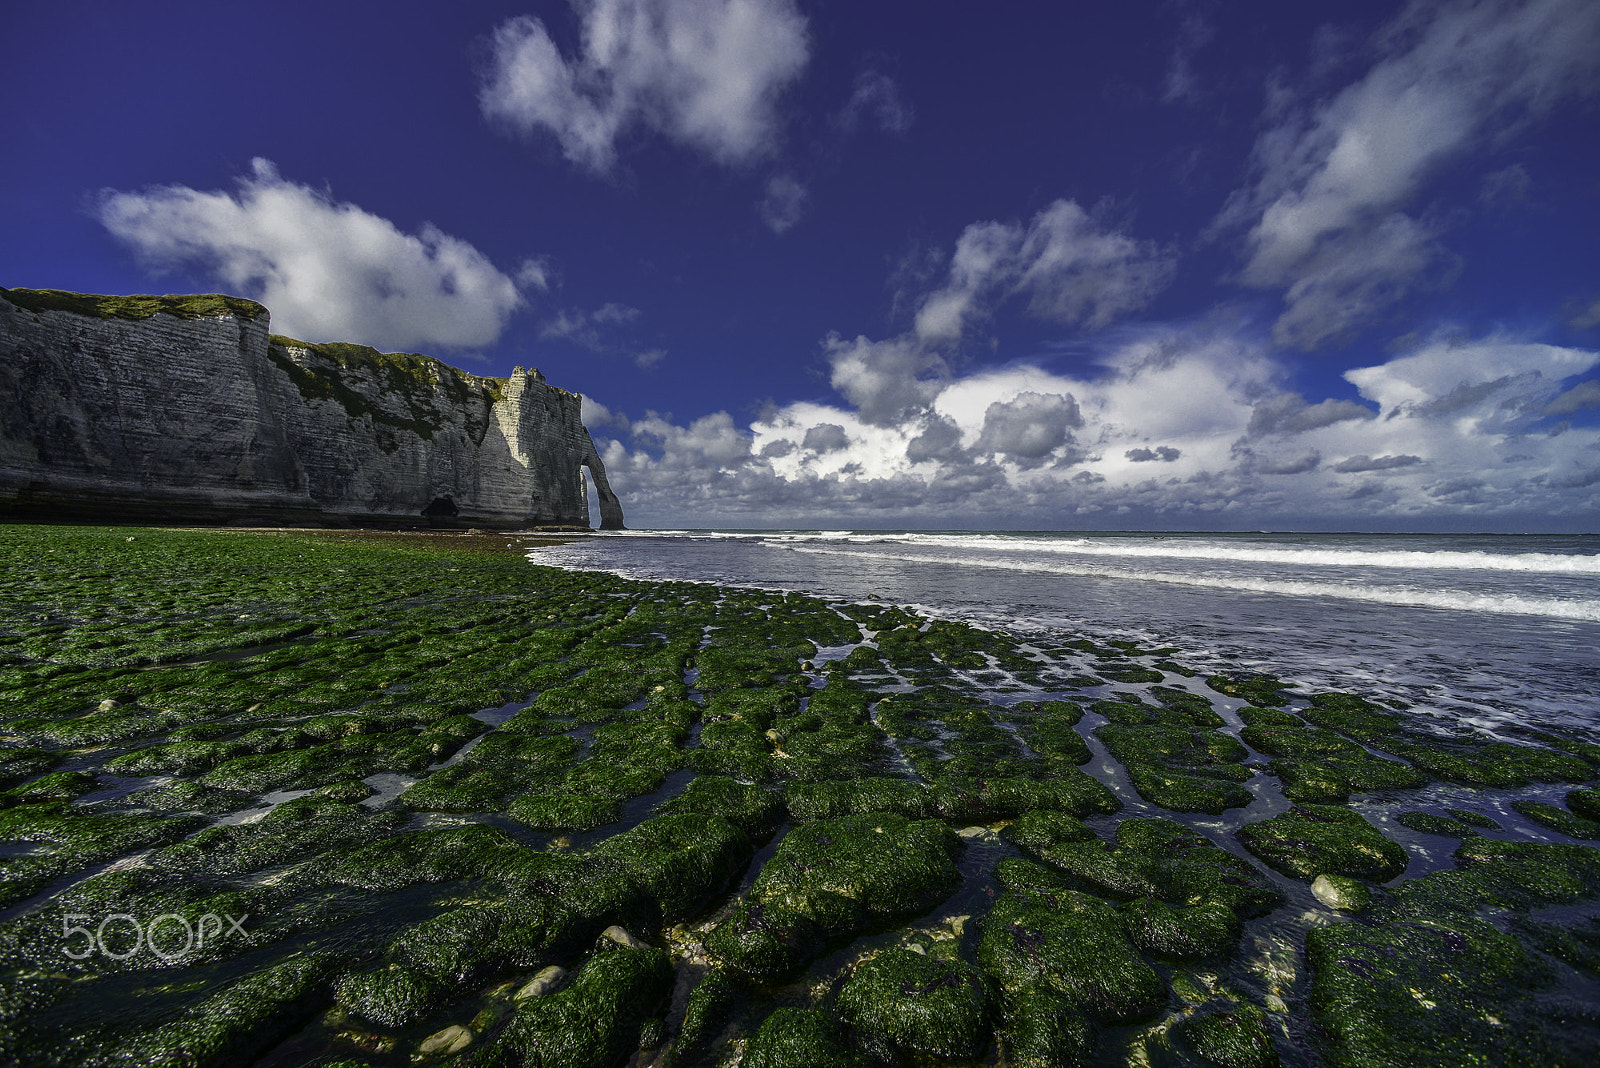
209 418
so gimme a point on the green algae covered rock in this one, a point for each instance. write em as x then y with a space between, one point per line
1183 792
390 996
564 812
1231 1037
682 860
1494 764
1036 832
1585 802
1072 946
753 809
1257 689
1309 840
414 857
1209 929
888 865
830 800
1164 860
765 941
798 1038
1559 819
1433 823
902 1003
1436 991
298 828
834 877
1341 892
242 1021
712 1005
593 1021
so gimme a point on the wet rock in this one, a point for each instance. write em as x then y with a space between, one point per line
1231 1037
836 876
1071 946
798 1038
1165 860
1257 689
1435 992
242 1021
711 1007
1313 839
452 1039
1433 823
544 983
682 860
564 812
350 791
831 800
1559 819
594 1021
753 809
1208 929
903 1003
621 937
1341 892
391 996
765 941
1585 802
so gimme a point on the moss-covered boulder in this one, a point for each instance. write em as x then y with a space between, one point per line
1559 819
391 995
835 877
1232 1036
1208 929
1434 823
682 860
593 1021
1436 991
753 809
765 941
1309 840
887 865
854 797
1070 945
798 1038
902 1003
555 811
1164 860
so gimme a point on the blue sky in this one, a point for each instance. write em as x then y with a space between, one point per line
1158 265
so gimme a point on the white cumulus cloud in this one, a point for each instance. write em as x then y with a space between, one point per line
703 73
1070 266
328 271
1328 211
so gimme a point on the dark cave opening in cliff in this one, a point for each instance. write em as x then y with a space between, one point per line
441 508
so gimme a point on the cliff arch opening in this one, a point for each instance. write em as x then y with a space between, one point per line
441 508
592 472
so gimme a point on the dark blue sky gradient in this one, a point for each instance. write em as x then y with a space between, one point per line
1010 107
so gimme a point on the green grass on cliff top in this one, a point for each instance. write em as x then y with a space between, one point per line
133 306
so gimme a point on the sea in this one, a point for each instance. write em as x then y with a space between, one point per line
1486 632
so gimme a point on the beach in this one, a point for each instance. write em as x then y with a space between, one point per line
797 798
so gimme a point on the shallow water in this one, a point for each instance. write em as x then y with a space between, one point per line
1490 631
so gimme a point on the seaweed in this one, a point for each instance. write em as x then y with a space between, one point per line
906 1004
1311 840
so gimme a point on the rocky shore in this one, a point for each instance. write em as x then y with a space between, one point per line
294 798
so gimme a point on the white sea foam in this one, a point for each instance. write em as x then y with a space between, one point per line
1583 609
1197 549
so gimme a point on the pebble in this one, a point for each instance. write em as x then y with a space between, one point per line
622 937
1341 892
452 1039
542 983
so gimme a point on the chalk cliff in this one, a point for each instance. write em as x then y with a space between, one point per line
186 408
